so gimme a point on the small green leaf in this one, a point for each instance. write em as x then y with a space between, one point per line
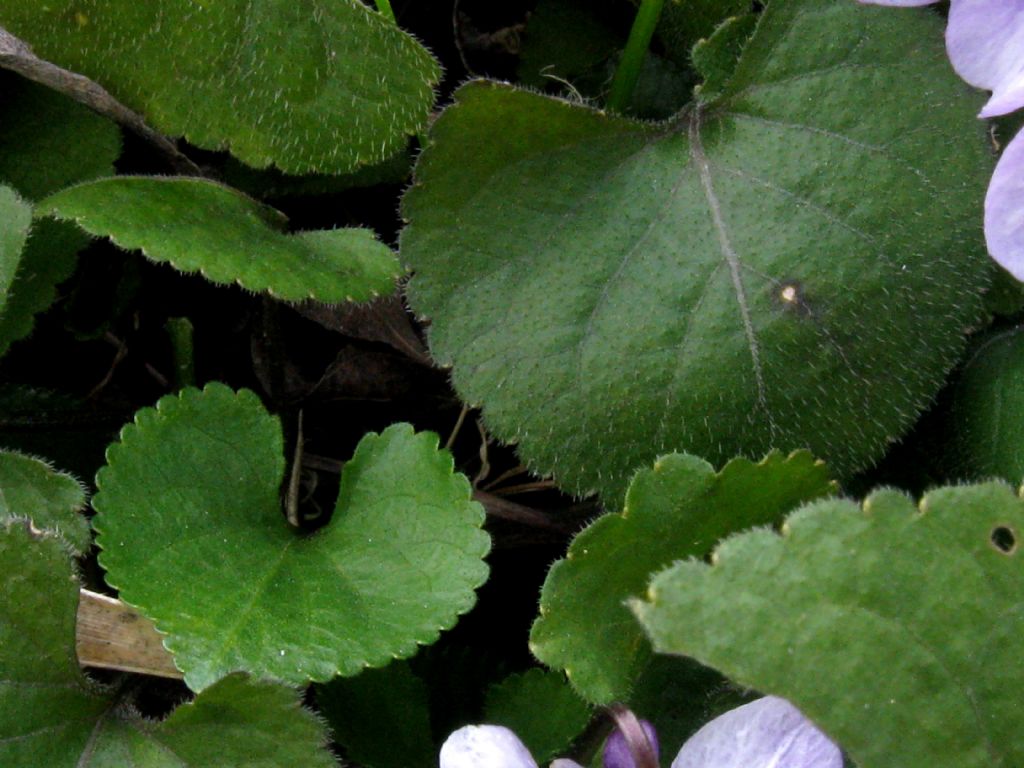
541 708
684 23
15 221
563 40
197 225
715 58
310 87
754 274
381 717
31 489
987 415
47 707
47 142
191 531
52 715
678 509
236 722
898 630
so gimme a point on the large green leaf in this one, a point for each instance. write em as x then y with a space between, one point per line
898 629
197 225
986 424
31 489
307 86
191 531
47 142
791 265
52 715
678 509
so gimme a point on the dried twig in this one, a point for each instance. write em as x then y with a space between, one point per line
112 635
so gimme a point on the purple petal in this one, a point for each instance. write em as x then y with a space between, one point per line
767 733
985 41
1004 209
901 3
485 746
616 750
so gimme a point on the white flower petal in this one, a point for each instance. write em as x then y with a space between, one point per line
485 746
564 762
985 41
767 733
1004 209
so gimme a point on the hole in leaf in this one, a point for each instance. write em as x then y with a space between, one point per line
1004 539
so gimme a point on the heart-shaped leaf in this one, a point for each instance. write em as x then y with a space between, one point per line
754 274
191 531
314 86
898 630
197 225
52 715
31 489
680 508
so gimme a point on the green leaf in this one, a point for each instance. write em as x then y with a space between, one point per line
541 708
31 489
678 509
564 39
381 717
715 58
15 221
684 23
192 533
198 225
236 722
47 142
755 274
47 707
310 87
52 715
898 630
987 414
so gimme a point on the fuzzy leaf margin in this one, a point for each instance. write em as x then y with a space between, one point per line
897 628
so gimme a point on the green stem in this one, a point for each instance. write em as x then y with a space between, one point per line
384 9
628 70
183 348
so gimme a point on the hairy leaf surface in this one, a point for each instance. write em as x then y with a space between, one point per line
898 629
790 265
15 222
309 86
198 225
678 509
192 533
52 715
52 500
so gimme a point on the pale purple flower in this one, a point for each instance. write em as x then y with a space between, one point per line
767 733
985 43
